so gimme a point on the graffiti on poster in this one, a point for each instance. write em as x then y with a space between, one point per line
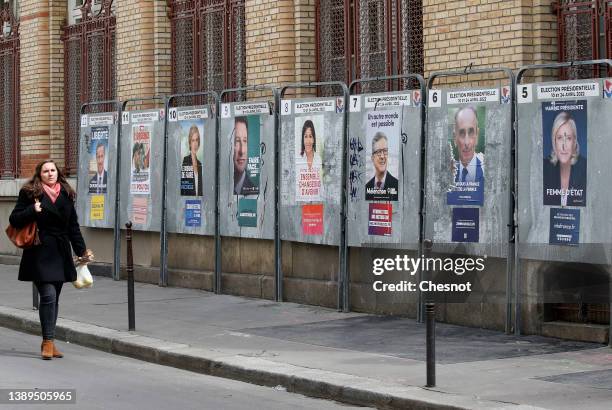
246 157
140 175
309 144
382 147
467 165
564 147
192 152
98 161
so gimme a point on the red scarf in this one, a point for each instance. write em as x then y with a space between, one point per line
52 191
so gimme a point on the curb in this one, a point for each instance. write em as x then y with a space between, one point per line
307 381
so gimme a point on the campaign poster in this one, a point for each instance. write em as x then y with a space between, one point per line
312 219
246 154
379 219
466 224
247 212
564 226
467 165
98 160
193 213
382 148
564 146
192 152
140 210
140 175
96 208
309 144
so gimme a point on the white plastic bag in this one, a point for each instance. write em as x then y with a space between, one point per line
84 278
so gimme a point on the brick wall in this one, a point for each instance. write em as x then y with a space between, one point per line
135 48
57 18
487 33
35 80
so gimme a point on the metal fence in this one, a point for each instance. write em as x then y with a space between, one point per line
9 94
89 70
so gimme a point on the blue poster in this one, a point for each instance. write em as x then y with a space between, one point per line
466 224
564 226
193 213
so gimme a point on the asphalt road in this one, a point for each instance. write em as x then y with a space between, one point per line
104 381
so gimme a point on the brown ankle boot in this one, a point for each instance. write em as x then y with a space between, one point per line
56 352
46 349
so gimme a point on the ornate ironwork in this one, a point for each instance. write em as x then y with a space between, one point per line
9 93
369 38
89 70
579 25
208 45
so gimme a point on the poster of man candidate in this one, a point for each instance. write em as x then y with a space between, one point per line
98 162
564 148
309 145
140 175
467 165
382 148
192 153
246 154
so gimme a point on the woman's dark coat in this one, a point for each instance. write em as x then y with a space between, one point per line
51 261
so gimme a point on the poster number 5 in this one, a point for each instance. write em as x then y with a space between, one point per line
524 93
125 117
286 107
435 98
225 111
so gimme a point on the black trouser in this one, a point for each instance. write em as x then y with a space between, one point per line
48 306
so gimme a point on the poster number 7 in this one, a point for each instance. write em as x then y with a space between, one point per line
355 103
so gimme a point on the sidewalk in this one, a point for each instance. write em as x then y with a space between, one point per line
356 358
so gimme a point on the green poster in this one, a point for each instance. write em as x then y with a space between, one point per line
247 212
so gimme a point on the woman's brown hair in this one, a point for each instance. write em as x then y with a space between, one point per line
34 187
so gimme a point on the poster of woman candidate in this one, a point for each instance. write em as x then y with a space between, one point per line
309 144
98 162
564 147
246 154
192 152
467 165
382 147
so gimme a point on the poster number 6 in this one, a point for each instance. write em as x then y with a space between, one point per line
435 99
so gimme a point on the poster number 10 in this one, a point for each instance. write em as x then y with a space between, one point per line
172 115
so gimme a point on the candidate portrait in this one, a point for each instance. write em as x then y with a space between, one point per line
243 185
468 164
382 186
97 184
191 169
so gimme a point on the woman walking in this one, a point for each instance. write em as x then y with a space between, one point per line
48 199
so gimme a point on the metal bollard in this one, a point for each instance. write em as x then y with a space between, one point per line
130 277
430 330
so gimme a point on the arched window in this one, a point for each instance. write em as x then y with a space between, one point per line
89 65
9 89
208 45
368 38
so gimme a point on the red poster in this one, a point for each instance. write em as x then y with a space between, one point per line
312 219
379 220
